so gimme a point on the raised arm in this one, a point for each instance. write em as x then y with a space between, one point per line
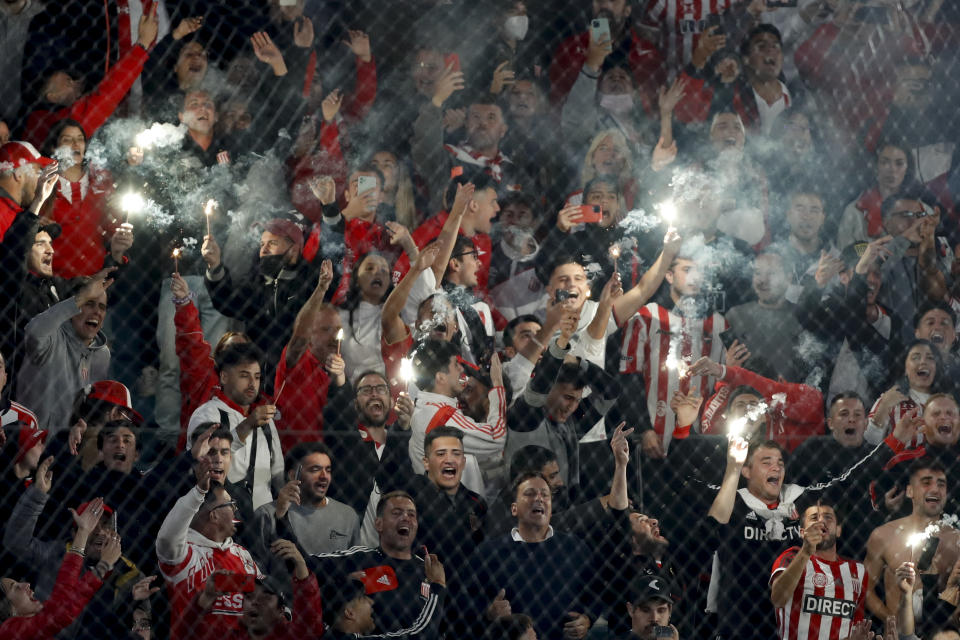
391 321
722 507
302 326
874 563
785 581
172 537
631 301
448 234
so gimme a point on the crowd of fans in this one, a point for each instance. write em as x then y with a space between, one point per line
479 319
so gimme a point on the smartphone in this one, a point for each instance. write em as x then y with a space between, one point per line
727 338
299 471
599 30
590 213
872 15
562 295
662 632
366 183
714 20
234 582
452 60
288 3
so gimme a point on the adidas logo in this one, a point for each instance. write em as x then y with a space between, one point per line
751 516
383 580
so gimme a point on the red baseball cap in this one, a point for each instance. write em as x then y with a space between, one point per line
19 153
288 229
27 439
115 393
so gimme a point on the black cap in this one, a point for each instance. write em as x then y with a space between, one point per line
851 254
53 229
650 587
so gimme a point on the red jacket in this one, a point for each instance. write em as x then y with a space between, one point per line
80 208
70 595
8 212
301 394
93 109
307 618
789 423
646 63
198 377
327 159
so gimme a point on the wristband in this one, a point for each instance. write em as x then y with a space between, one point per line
190 297
80 551
589 74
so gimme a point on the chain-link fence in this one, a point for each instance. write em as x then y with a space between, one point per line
494 319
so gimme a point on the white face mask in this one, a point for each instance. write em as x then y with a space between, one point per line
618 103
516 27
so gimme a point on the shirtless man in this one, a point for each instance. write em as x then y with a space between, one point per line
887 547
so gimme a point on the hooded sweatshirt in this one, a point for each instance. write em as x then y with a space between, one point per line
57 363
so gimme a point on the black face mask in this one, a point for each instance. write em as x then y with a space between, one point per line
270 266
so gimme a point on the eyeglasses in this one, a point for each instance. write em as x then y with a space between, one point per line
466 253
232 503
370 389
911 214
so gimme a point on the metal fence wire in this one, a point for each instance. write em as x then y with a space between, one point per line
479 319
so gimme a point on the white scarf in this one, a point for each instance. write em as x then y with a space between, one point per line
773 518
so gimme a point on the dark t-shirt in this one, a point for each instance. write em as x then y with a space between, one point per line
746 551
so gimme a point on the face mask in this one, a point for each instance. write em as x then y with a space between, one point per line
270 266
516 27
618 103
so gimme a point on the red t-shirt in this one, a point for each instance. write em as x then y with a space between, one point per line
301 394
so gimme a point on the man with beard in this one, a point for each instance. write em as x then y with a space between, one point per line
303 511
391 573
805 587
888 548
269 302
364 439
257 461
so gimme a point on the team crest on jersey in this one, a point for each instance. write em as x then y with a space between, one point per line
661 408
820 580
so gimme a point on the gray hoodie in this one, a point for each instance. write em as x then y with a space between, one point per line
57 364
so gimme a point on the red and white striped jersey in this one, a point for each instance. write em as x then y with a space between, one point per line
877 431
828 600
681 22
660 345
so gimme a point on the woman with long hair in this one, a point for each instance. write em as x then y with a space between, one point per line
923 376
370 284
397 189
